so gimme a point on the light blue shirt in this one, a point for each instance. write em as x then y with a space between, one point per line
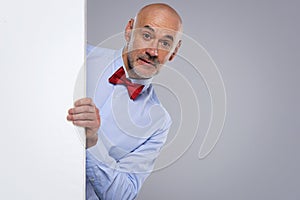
131 134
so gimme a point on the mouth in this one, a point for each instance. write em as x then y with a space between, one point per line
147 62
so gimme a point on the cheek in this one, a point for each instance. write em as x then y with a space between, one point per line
134 54
138 44
136 49
163 56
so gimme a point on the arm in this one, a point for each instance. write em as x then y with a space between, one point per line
122 179
110 178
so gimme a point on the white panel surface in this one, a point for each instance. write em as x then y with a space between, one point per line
41 53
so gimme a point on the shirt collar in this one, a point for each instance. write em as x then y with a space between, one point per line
119 62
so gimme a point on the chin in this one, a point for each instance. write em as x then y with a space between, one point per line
144 73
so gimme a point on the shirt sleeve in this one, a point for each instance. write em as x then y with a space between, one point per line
122 179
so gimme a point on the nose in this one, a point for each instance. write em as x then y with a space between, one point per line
153 50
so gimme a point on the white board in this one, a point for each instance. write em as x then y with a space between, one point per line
41 53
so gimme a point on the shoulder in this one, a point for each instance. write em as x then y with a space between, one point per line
97 61
97 58
93 52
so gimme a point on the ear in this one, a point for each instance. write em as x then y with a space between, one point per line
175 51
128 30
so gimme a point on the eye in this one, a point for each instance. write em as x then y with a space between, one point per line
166 44
146 36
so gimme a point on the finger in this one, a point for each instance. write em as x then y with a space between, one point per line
83 116
86 123
84 101
97 114
69 117
83 109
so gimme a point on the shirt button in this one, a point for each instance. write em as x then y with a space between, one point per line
92 179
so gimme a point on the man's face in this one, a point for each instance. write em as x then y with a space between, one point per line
153 40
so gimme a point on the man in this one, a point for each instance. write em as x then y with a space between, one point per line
134 125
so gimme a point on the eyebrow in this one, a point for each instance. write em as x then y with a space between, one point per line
169 37
152 30
149 28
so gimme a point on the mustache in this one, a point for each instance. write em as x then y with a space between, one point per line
149 59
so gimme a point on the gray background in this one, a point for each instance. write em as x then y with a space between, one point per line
255 45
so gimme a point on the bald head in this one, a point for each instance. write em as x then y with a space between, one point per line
162 15
160 7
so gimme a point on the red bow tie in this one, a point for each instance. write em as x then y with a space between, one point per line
119 78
